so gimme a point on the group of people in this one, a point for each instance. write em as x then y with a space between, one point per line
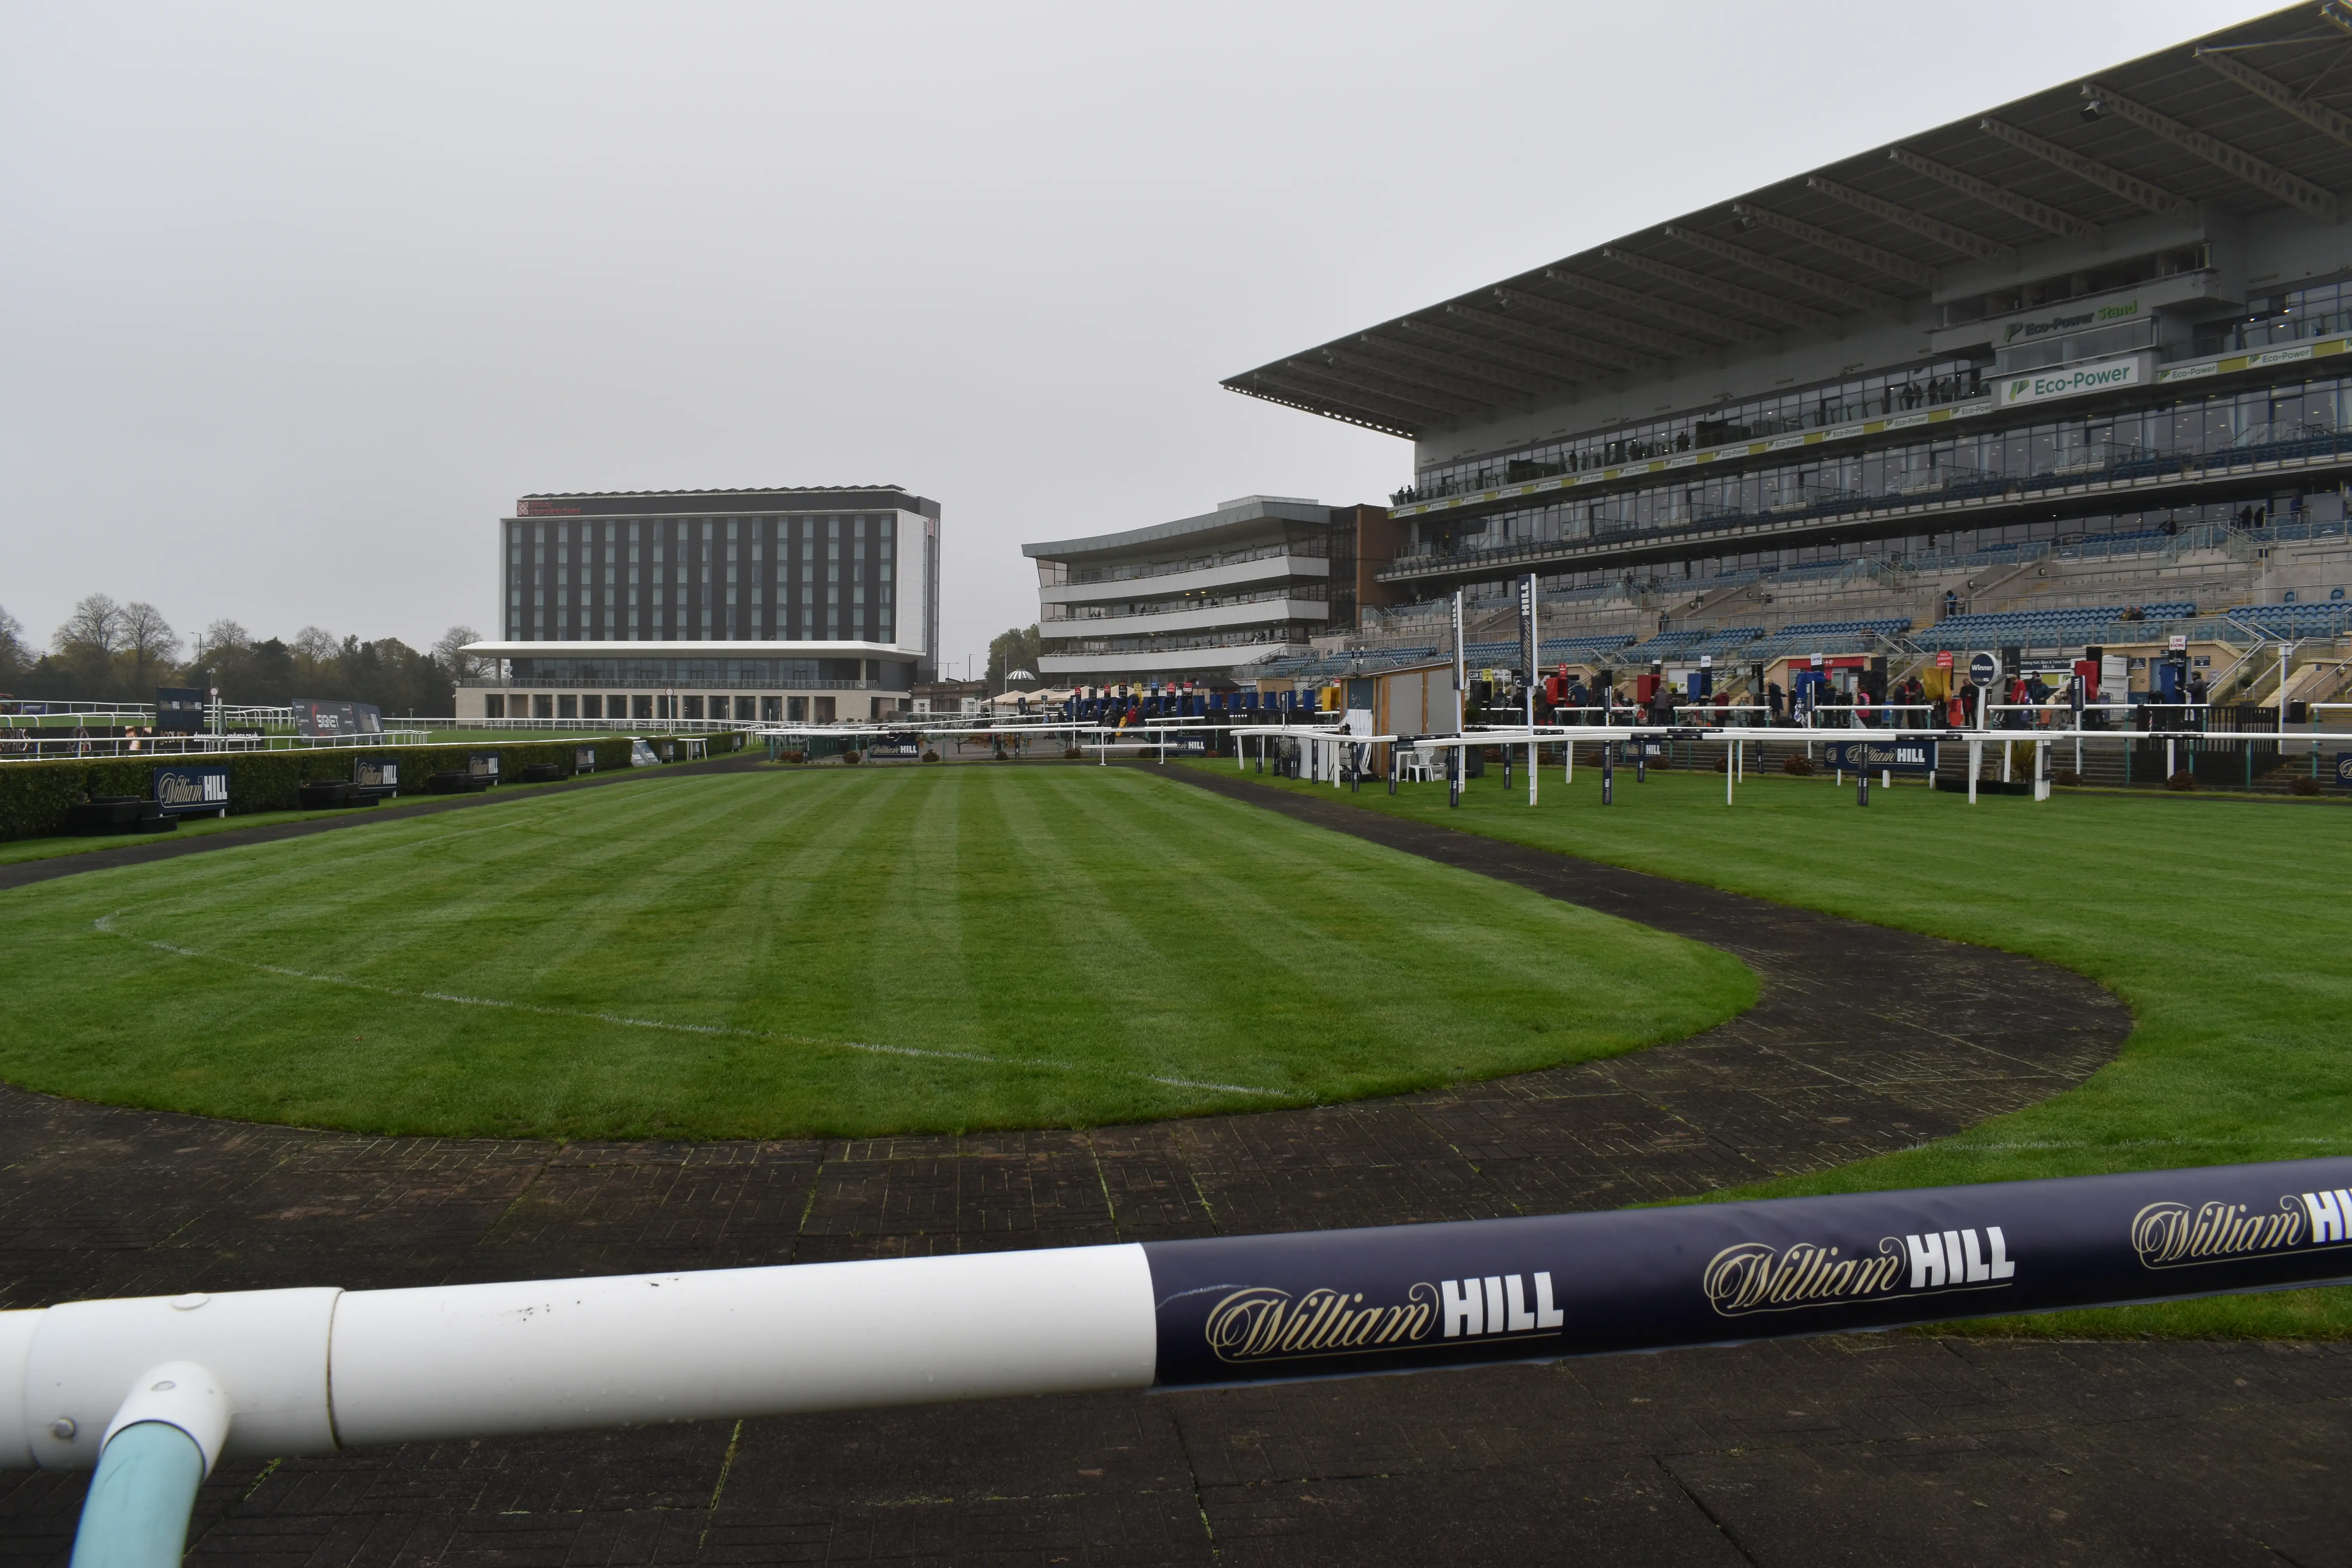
1564 698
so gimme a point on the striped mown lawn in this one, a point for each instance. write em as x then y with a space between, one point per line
2223 922
843 951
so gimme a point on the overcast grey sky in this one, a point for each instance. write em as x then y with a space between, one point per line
296 299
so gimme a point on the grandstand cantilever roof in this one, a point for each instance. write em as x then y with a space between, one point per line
2253 117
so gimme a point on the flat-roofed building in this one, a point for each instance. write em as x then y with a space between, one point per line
804 605
1204 596
2039 355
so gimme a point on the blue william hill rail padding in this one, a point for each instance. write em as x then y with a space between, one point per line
1335 1303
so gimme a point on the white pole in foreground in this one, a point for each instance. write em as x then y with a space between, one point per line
308 1370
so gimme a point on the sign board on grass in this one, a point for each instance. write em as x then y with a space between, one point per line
1984 668
184 791
179 710
376 773
2344 770
324 719
584 759
1908 756
483 766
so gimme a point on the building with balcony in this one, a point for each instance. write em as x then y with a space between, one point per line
2086 329
1203 597
793 605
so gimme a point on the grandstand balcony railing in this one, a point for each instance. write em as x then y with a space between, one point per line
1138 571
2137 475
1701 431
1295 592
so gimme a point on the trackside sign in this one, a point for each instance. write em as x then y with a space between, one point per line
2074 380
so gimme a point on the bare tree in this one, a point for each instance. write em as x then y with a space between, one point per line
315 645
14 655
148 638
222 637
451 651
95 626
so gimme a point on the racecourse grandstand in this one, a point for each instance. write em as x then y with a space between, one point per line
2071 373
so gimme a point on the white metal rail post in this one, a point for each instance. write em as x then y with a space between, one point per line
153 1392
1455 760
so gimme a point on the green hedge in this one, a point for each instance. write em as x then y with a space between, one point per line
35 798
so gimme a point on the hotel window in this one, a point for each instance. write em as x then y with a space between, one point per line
858 628
806 624
833 579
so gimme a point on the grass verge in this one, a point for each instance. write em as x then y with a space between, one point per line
2226 931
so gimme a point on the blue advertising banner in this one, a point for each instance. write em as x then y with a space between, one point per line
377 774
186 791
179 710
1904 756
1331 1303
2344 770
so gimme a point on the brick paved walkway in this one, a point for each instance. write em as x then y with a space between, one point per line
1824 1451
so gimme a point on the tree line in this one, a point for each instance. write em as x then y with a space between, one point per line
111 652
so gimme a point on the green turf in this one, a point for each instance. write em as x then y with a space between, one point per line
817 951
2224 925
18 849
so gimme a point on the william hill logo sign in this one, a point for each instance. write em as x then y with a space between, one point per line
2074 381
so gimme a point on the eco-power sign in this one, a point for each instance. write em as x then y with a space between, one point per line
2074 380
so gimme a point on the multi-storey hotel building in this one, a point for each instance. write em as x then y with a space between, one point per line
797 605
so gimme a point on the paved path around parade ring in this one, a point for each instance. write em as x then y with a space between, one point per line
1823 1451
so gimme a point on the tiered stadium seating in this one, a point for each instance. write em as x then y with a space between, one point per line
1823 637
2316 620
2046 627
1665 645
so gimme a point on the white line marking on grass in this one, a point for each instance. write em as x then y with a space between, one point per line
106 923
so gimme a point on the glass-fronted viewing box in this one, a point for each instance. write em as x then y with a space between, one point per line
886 674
